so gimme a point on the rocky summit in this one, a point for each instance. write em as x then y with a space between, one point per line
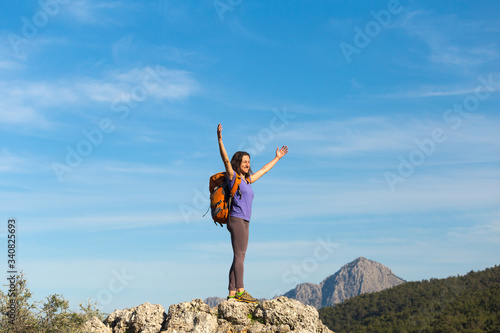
278 315
357 277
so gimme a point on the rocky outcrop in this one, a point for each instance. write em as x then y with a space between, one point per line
145 318
194 316
94 325
357 277
283 313
273 316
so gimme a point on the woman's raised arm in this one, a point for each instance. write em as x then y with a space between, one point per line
223 154
279 154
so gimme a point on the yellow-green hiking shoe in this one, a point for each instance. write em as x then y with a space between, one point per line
245 297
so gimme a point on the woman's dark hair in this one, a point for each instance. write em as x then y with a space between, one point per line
236 161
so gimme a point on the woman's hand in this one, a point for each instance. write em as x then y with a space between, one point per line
281 152
219 132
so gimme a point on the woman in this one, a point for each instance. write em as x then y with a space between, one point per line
241 210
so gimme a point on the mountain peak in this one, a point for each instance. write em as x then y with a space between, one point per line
357 277
360 276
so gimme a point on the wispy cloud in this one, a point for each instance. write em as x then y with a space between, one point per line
27 102
241 30
13 112
425 192
159 82
274 249
24 102
95 222
10 162
92 12
349 136
443 36
429 91
383 134
9 65
442 90
483 233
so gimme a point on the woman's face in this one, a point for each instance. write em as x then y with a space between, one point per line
245 164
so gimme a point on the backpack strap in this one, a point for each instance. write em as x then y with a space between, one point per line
236 184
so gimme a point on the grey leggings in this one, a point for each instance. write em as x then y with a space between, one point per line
239 240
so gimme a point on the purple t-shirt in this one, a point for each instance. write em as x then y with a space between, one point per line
242 204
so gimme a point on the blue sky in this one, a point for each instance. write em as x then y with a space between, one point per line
108 116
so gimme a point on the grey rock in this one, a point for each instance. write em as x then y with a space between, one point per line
289 314
95 325
145 318
277 315
194 316
237 313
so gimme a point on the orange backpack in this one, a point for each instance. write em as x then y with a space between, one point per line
221 196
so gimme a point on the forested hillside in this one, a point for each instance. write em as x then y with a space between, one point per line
469 303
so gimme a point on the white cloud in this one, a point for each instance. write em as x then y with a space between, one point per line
348 137
42 94
101 91
429 190
139 84
92 12
104 223
443 37
357 137
28 102
486 232
322 246
444 90
122 49
14 113
10 65
10 162
25 102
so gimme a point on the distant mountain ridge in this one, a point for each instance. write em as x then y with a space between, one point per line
357 277
213 301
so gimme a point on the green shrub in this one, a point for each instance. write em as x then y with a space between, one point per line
20 314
